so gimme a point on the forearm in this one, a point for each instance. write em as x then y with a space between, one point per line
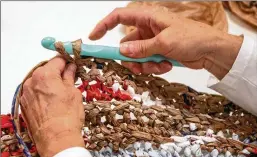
240 83
222 53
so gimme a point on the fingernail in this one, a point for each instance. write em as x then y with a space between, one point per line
126 49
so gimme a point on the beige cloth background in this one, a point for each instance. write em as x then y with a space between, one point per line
245 10
211 13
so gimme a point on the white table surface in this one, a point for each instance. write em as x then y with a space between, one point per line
24 24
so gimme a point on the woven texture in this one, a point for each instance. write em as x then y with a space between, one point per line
147 109
165 112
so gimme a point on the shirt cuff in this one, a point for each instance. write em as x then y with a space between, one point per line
74 151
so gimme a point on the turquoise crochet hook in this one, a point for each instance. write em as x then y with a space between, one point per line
105 52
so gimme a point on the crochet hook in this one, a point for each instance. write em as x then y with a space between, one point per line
105 52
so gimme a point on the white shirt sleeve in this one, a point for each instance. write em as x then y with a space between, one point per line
74 152
240 84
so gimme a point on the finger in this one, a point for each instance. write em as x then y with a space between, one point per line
140 48
69 74
125 16
132 66
57 64
164 67
150 68
134 35
156 68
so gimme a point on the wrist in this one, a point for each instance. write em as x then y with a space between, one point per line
222 54
64 140
57 135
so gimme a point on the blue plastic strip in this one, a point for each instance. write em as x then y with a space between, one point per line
20 141
14 99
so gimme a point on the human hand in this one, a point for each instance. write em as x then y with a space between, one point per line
158 31
52 107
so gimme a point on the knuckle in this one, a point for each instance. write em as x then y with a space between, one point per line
142 48
114 16
39 74
159 40
115 12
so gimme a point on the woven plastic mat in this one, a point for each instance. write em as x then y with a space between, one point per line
142 115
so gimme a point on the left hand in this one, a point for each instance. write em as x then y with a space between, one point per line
52 108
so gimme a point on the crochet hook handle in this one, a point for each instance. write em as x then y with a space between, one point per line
105 52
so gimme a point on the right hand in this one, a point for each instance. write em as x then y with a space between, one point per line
52 108
158 31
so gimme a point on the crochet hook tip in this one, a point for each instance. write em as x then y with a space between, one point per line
48 43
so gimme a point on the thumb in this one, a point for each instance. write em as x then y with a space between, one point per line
69 74
139 48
